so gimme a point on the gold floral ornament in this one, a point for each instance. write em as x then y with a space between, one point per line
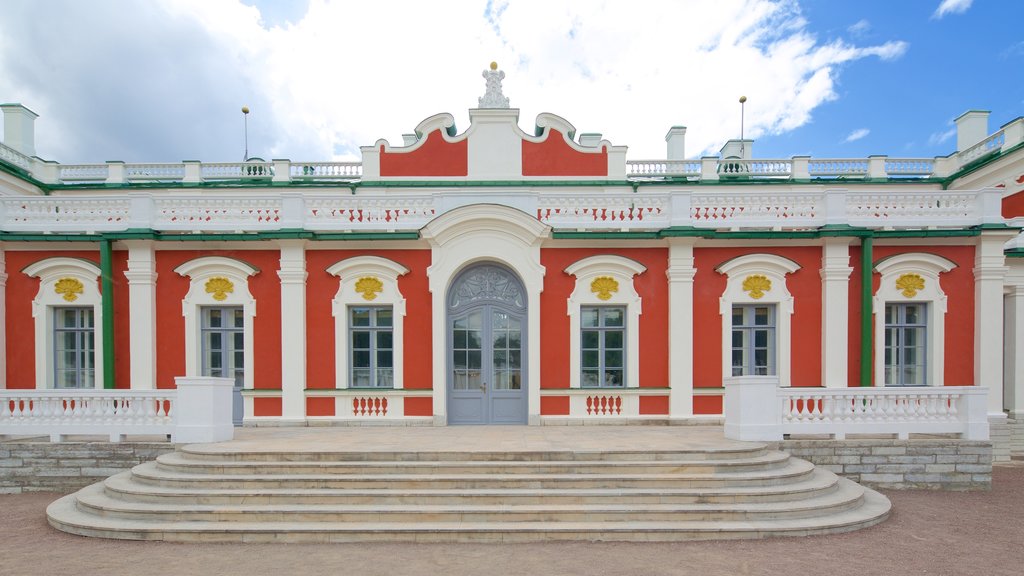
220 287
756 285
369 287
603 286
909 284
70 288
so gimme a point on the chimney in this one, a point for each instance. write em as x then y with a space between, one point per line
742 149
19 128
409 139
590 139
971 128
676 140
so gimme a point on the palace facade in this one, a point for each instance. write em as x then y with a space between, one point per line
496 275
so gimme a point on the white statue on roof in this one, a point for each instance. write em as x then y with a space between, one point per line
493 98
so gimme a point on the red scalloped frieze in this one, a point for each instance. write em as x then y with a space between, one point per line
554 157
434 157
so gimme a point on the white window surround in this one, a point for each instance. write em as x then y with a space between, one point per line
200 271
349 272
622 270
928 267
774 268
50 271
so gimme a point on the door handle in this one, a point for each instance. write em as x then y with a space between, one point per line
483 387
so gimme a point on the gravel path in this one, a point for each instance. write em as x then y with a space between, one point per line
934 533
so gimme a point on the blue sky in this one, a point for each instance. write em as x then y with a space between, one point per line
165 80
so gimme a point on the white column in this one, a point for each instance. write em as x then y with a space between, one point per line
989 273
293 329
141 275
835 311
1013 354
3 319
680 326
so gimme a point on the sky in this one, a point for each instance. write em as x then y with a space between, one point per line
165 80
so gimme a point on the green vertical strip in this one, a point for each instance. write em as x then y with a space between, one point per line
107 305
867 272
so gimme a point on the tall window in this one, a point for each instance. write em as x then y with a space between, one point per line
906 328
753 340
74 347
223 342
371 338
602 346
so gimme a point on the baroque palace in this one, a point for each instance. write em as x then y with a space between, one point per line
497 275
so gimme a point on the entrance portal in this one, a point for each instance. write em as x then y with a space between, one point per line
486 348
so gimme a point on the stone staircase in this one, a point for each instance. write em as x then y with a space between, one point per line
211 494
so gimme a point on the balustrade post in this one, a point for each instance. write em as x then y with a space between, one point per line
709 168
202 409
681 205
800 168
282 171
141 209
988 206
46 171
835 207
876 167
752 408
1013 134
193 172
944 166
293 210
973 410
115 173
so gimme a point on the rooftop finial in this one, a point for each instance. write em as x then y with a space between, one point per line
493 98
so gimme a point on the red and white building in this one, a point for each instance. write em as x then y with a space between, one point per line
503 275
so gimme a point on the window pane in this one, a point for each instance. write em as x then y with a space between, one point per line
760 338
590 339
613 317
913 314
360 317
360 377
889 312
384 359
459 359
762 316
589 378
613 339
500 361
613 378
384 339
361 340
459 339
214 317
361 359
737 316
590 358
589 317
514 339
474 360
385 378
613 359
514 359
384 317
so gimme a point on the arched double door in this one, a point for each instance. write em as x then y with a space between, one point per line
487 347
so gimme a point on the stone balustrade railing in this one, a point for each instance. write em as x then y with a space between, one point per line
199 410
386 212
713 168
756 408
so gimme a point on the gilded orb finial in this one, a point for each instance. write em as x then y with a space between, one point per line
494 65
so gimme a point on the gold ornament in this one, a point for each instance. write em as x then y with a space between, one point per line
603 286
70 288
220 287
369 287
756 285
909 284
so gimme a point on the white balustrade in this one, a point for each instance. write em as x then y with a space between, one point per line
605 211
113 413
386 212
59 214
12 156
756 408
663 168
154 172
899 208
72 173
837 167
326 170
909 166
237 170
734 210
217 213
987 146
754 168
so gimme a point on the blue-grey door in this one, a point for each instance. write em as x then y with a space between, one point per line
487 348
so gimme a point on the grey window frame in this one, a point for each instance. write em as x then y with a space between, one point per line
602 349
895 345
84 376
748 348
374 329
229 367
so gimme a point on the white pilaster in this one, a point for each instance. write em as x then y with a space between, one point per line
680 326
835 311
989 273
293 329
1013 355
3 319
141 275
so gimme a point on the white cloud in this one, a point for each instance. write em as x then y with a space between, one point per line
857 135
941 137
347 73
952 7
859 28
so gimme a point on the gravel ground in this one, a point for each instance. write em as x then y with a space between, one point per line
935 533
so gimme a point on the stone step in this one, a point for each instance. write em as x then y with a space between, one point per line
94 500
65 515
794 470
182 462
221 453
819 482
